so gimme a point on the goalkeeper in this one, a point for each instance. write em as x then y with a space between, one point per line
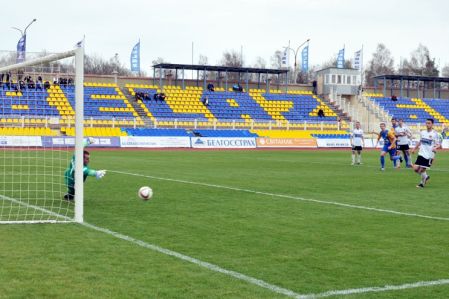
69 174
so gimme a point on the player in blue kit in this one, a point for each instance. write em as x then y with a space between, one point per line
389 141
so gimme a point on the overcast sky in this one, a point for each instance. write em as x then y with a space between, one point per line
167 28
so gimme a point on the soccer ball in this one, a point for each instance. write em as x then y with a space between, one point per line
145 193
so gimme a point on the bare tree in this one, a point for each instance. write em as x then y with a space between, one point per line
381 63
203 60
332 62
445 71
276 60
260 63
156 61
420 63
95 64
232 58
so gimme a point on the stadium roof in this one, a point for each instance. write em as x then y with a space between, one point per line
413 78
215 68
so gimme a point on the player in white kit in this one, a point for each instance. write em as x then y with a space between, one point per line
403 135
357 143
428 145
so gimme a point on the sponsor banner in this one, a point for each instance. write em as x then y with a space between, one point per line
149 142
63 141
210 142
20 141
286 142
334 142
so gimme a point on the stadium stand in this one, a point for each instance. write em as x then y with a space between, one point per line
104 103
415 110
223 106
156 132
27 131
96 131
107 109
299 134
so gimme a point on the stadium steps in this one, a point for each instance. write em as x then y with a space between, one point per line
342 115
137 106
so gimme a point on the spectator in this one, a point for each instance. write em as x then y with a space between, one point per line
21 85
314 85
205 101
321 113
31 84
394 98
162 96
156 96
39 83
237 87
210 87
46 85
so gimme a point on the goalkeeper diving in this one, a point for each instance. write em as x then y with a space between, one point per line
69 174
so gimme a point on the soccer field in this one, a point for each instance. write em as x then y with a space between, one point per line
240 224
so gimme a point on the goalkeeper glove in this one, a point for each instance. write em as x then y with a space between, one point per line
100 174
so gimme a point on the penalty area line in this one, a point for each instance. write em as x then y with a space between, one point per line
238 275
334 203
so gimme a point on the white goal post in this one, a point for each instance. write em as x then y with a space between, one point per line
18 204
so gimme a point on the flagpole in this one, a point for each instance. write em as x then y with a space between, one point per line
361 69
140 72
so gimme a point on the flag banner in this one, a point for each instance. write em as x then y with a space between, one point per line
305 59
135 58
21 48
284 59
341 59
358 60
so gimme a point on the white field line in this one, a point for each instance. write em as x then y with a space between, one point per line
209 266
237 275
334 203
349 164
386 288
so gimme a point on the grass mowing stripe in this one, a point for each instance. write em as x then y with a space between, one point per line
334 203
169 252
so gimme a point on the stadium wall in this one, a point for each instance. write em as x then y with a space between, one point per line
189 142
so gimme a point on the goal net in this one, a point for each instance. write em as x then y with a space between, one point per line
39 98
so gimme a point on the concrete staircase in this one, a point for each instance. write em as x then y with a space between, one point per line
360 108
136 105
338 110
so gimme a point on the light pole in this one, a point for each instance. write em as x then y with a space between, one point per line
23 38
295 53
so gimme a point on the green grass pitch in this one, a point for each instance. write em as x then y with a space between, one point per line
303 246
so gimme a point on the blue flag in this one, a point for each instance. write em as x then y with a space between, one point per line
305 59
21 48
341 59
135 58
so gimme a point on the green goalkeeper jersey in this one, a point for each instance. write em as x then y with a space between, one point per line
69 174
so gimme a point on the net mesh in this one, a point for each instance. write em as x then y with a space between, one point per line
34 107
